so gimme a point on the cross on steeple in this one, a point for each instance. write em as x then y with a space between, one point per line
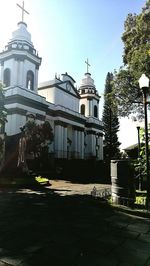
23 10
88 65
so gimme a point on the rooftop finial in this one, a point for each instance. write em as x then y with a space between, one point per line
23 10
88 65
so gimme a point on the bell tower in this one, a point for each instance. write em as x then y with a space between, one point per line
19 74
89 97
20 61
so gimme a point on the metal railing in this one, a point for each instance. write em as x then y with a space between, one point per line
105 193
101 193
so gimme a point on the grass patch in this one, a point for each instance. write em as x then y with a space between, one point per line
140 197
140 200
42 180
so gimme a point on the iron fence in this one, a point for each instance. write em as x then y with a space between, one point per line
139 202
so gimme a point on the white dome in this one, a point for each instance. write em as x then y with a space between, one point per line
21 33
87 80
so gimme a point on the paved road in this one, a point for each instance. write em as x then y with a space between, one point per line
64 188
40 227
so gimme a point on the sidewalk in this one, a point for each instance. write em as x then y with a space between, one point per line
42 228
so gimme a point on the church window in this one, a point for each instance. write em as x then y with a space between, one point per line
83 90
30 80
95 111
82 109
7 77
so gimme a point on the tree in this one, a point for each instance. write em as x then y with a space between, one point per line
3 112
34 142
38 137
110 122
140 162
3 120
136 59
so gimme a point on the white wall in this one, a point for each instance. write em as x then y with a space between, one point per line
128 132
14 123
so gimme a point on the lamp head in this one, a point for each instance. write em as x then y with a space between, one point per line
144 81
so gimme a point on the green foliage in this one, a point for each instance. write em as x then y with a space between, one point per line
1 149
110 121
140 163
38 137
3 120
42 180
136 59
3 112
140 200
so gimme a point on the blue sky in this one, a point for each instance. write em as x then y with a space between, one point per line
66 32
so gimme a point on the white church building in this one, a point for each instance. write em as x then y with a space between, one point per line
72 113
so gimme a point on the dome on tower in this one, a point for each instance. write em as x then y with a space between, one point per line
21 34
87 81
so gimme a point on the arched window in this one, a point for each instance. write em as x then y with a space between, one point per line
7 77
30 80
95 111
82 109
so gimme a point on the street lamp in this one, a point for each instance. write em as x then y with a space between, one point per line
139 149
144 85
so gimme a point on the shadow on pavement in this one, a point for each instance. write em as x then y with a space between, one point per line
39 227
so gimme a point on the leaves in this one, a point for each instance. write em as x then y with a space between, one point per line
3 113
140 163
136 59
38 136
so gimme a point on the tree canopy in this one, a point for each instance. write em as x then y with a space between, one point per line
110 122
38 137
136 60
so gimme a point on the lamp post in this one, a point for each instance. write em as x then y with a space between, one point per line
144 85
139 148
139 144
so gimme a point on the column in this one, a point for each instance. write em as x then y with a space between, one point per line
82 144
58 141
78 144
90 107
87 108
2 72
65 142
75 143
61 141
18 72
21 74
36 79
92 145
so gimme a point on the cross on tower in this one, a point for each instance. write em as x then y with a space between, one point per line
23 10
88 65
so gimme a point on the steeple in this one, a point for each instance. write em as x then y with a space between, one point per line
20 61
89 97
87 81
21 35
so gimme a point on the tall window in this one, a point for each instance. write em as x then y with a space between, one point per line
7 77
30 80
82 109
95 111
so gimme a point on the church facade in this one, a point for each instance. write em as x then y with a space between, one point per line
72 113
